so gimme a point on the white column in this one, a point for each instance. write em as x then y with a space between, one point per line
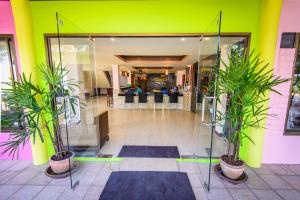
115 77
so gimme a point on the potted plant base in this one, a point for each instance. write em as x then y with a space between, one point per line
231 167
62 165
243 178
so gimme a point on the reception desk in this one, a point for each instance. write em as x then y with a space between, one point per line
119 102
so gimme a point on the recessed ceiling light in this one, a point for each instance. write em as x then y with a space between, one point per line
112 39
207 38
182 39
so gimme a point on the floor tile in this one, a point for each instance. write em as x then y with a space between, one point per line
149 164
194 180
6 176
101 178
50 193
256 182
7 190
27 192
219 194
276 182
188 167
266 195
289 194
293 181
93 193
78 193
23 177
215 182
242 194
200 194
263 170
20 165
61 182
294 168
40 179
280 170
5 164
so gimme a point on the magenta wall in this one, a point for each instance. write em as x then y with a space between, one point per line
279 148
7 27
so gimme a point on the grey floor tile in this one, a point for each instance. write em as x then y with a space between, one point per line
266 195
242 194
19 166
6 176
234 186
188 167
7 190
294 168
50 192
194 180
61 182
101 178
5 164
27 192
256 182
276 182
289 194
263 170
40 179
219 194
23 177
93 193
280 170
78 193
293 181
215 181
200 194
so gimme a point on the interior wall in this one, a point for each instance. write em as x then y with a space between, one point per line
280 148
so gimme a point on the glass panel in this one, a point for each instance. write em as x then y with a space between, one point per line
79 123
8 72
208 62
293 117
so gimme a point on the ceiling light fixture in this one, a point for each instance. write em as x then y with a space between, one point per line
182 39
112 39
206 38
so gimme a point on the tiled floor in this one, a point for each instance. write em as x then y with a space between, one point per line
21 180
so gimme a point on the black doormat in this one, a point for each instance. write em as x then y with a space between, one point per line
139 185
149 151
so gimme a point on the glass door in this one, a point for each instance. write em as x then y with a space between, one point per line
206 101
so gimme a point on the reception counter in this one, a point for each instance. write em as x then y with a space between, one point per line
183 102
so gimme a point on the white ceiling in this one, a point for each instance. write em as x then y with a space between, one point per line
106 48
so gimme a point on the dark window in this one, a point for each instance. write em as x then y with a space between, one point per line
288 40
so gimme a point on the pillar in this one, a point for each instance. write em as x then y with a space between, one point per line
268 29
24 33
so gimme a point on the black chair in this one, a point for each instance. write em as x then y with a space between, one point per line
129 97
173 97
158 97
143 97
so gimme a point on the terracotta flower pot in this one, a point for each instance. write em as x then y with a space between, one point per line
62 165
232 171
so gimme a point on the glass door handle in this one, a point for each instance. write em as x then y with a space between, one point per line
203 105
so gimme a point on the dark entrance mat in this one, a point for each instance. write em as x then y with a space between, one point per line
149 151
139 185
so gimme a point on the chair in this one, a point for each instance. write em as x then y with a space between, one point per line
129 97
143 97
158 97
109 96
173 97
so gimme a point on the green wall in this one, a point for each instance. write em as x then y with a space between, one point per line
139 17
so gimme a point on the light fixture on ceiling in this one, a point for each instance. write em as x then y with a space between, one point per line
206 38
182 39
112 39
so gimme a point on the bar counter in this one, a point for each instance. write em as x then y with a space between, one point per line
183 100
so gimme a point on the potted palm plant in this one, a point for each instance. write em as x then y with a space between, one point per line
36 110
245 81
